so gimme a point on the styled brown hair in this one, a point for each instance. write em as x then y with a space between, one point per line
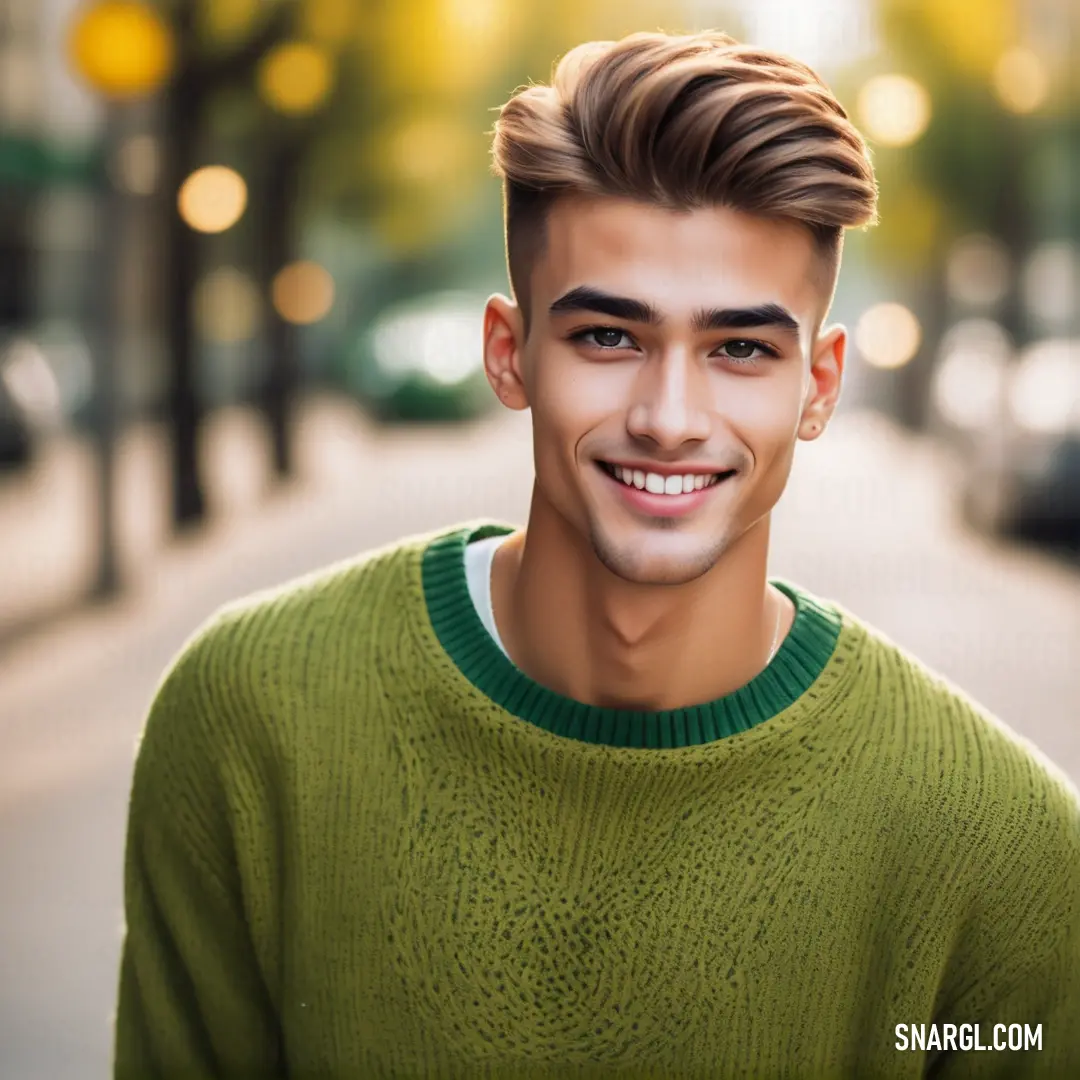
683 122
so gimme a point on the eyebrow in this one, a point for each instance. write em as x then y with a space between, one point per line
587 298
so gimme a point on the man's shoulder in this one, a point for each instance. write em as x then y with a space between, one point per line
372 585
954 747
291 641
324 610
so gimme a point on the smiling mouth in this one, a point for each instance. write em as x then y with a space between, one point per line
656 484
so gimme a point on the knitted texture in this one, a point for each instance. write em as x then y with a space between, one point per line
346 861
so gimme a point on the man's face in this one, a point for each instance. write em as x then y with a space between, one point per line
667 367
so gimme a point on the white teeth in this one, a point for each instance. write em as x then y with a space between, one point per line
663 485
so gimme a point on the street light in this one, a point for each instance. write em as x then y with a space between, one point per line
124 51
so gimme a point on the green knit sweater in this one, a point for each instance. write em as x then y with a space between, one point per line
362 844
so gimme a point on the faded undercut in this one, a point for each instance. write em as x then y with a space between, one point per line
682 122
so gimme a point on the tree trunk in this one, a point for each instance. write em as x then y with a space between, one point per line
185 411
278 392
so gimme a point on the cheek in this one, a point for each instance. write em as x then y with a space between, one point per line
761 411
570 401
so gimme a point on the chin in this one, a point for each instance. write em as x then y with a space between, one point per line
666 558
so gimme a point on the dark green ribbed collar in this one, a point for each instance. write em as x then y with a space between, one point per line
798 662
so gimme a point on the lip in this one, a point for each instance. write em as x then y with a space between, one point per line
645 502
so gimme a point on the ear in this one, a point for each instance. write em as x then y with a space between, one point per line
503 339
823 386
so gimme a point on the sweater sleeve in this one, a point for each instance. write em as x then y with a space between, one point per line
192 1001
1033 986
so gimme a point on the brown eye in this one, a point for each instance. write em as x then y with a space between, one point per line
741 350
608 339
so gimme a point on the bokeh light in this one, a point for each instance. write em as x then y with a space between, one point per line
1044 392
895 109
122 48
1021 81
227 306
888 335
303 292
1051 281
213 199
455 46
969 380
296 78
978 270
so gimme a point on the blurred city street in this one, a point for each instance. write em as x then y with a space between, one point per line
867 520
244 250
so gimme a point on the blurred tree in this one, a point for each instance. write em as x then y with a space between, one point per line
218 46
124 52
296 80
371 112
975 170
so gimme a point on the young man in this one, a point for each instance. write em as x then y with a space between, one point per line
595 798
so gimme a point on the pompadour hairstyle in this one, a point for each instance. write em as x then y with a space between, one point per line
683 122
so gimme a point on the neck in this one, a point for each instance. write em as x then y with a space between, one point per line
572 625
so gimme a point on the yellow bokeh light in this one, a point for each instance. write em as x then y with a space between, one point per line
888 335
303 293
227 307
421 44
1020 80
895 109
122 48
296 78
213 199
973 32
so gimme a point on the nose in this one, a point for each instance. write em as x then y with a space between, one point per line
670 407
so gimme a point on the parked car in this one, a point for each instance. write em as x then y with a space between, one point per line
1015 422
422 360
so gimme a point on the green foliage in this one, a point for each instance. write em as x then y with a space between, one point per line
976 168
